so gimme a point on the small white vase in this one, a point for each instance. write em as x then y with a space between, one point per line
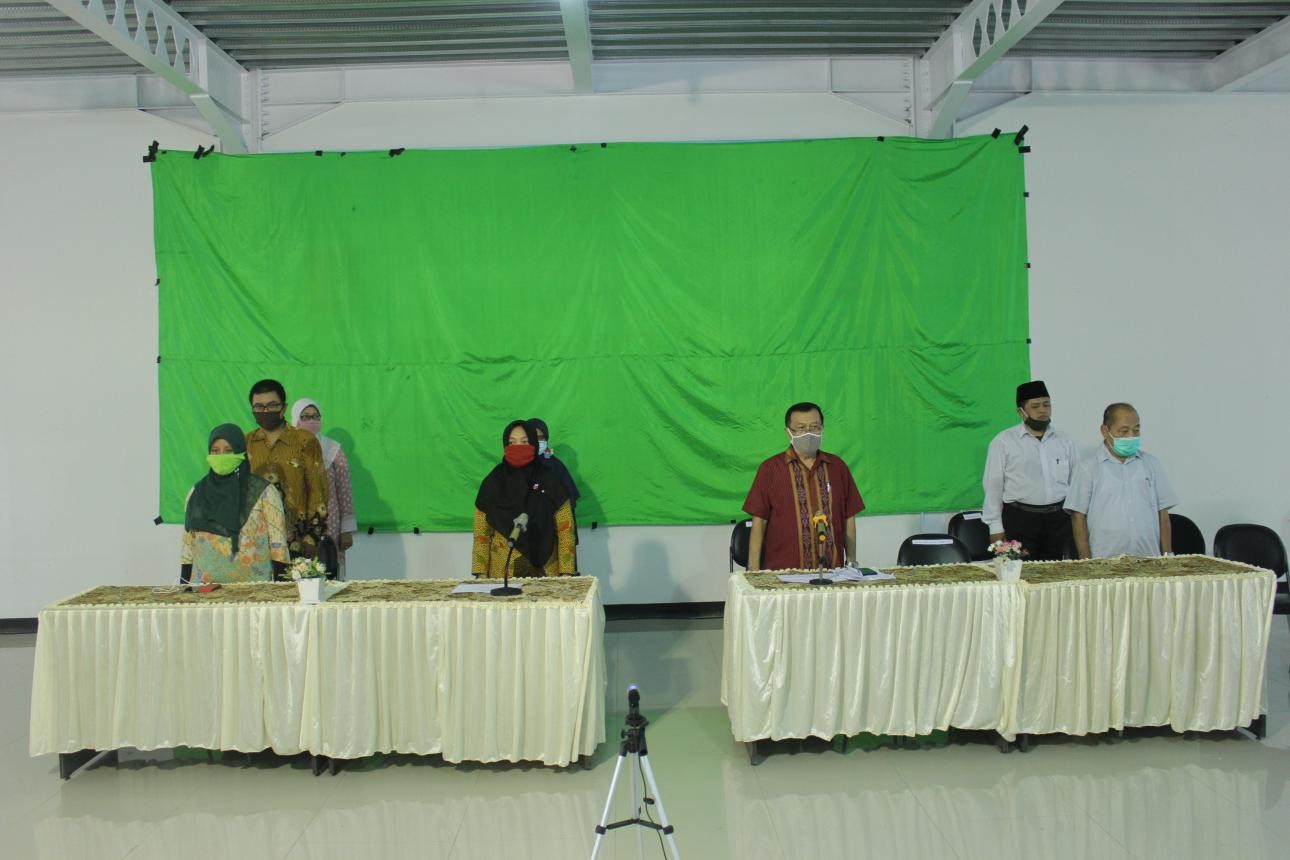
311 590
1007 569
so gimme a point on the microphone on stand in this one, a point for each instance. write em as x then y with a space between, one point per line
821 523
506 589
521 524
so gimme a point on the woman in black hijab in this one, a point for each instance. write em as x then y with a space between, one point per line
523 483
234 527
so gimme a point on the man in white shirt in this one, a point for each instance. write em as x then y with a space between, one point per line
1028 470
1120 499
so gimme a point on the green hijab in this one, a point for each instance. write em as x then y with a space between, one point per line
220 504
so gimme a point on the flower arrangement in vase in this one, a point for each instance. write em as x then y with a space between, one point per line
1007 559
309 575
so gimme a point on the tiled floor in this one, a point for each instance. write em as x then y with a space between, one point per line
1147 797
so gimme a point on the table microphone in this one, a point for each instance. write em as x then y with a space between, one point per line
506 589
821 523
521 524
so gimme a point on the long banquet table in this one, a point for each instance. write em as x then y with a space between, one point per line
383 666
1074 647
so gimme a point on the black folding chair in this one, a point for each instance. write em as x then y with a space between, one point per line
972 532
739 537
329 555
931 549
1252 544
1187 539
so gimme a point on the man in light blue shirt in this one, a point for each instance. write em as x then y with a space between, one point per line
1120 498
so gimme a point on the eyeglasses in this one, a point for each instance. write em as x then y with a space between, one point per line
799 429
275 406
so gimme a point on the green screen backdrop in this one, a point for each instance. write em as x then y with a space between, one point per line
660 305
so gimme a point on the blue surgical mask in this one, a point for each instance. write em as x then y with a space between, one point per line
1126 446
541 447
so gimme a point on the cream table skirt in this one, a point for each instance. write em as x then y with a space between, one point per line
469 679
1186 652
1053 654
891 660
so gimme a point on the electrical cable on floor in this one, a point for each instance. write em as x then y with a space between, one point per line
646 803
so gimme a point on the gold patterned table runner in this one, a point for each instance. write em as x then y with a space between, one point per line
565 589
1036 573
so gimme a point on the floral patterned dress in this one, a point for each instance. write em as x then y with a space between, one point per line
490 553
340 496
262 541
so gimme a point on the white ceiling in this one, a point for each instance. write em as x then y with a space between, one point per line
38 39
205 50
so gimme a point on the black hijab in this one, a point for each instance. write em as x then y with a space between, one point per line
554 464
534 489
220 504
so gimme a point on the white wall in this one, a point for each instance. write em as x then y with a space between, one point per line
537 121
1156 228
1158 235
78 349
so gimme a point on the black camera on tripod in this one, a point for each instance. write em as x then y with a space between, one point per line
633 734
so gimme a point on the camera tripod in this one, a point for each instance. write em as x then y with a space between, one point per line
633 744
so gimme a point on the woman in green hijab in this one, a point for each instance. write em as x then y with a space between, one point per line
234 527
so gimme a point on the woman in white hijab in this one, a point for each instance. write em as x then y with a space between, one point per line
341 525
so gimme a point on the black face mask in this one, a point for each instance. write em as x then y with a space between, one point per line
1037 425
268 420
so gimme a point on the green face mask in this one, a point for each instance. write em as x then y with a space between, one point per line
1126 446
225 464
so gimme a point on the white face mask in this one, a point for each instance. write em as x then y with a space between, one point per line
541 447
806 445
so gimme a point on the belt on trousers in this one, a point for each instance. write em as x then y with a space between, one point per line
1036 509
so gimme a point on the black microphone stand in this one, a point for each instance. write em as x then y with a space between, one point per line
506 589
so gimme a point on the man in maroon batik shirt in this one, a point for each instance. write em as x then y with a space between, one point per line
789 493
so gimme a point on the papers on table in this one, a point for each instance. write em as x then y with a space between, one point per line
479 587
330 588
839 574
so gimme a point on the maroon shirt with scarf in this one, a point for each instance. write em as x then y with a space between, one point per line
786 494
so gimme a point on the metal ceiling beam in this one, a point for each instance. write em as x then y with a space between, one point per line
338 56
220 32
164 43
1222 8
688 8
577 35
237 46
1015 76
977 39
1261 54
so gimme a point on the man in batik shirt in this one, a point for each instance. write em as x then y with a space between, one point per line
290 459
799 494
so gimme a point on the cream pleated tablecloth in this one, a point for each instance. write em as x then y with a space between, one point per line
384 666
896 659
1187 651
1075 647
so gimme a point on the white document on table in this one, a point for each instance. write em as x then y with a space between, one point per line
839 574
478 587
